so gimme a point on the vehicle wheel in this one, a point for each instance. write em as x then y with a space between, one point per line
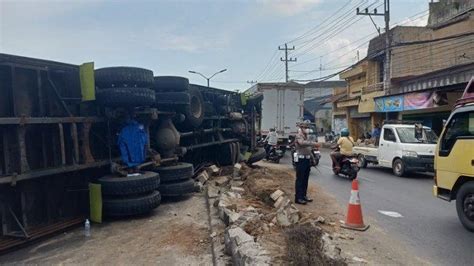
125 97
353 175
225 154
132 205
237 152
123 77
194 112
398 167
129 185
171 83
362 162
209 109
172 98
173 173
257 156
178 188
465 205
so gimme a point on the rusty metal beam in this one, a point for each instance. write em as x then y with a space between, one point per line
62 145
75 142
202 145
21 134
48 120
52 171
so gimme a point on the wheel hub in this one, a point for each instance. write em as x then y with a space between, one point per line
469 206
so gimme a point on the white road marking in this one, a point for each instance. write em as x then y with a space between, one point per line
391 214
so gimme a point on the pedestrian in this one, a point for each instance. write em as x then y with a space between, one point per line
303 163
376 134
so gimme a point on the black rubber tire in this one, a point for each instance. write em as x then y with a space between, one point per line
237 152
398 167
257 156
194 112
171 83
466 192
225 154
178 188
173 173
172 98
134 205
129 185
123 77
362 161
133 97
209 109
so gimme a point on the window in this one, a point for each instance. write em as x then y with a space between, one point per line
461 125
388 135
407 135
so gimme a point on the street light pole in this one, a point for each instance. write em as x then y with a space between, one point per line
207 78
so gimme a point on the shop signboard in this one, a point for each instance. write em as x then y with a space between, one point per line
389 104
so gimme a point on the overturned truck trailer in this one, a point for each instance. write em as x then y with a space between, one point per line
59 128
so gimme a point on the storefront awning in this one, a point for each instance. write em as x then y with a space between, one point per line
348 102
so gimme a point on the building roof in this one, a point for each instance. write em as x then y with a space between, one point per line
326 84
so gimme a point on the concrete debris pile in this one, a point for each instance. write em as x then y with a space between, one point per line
253 208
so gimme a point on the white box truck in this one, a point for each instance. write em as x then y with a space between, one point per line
282 108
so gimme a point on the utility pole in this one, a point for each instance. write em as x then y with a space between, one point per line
386 15
286 60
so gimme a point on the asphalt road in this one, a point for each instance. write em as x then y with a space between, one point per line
429 226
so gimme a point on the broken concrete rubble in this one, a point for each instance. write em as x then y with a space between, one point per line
238 190
276 195
203 177
243 249
212 191
214 170
222 181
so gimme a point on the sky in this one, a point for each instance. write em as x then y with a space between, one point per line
174 37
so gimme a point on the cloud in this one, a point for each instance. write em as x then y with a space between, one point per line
288 8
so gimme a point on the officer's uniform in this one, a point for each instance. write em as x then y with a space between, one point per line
303 165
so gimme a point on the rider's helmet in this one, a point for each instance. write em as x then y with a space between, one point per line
344 132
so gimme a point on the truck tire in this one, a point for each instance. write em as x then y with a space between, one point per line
194 112
129 185
178 188
132 97
171 83
465 205
176 172
225 154
123 77
362 161
209 109
257 156
172 98
133 205
398 167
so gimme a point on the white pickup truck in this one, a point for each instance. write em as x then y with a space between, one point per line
401 149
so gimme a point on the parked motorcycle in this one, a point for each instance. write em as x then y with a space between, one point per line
349 166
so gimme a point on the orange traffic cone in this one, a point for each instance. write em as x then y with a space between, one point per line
354 218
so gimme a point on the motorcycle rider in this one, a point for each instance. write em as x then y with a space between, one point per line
270 141
303 163
345 144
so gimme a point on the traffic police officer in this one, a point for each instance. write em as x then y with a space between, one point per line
303 163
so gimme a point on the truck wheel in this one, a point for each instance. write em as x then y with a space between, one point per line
465 205
194 112
133 97
225 154
178 188
172 98
173 173
362 161
209 109
123 77
171 83
257 156
129 185
133 205
398 167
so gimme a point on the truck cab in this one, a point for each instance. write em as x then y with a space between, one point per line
403 152
403 146
454 163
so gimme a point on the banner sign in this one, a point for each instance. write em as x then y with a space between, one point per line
422 100
389 104
411 101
